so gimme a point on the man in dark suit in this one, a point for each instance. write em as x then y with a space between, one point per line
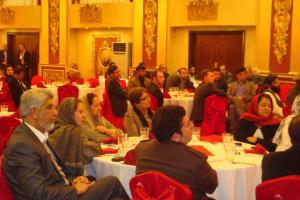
140 80
16 85
158 80
32 167
180 80
117 95
205 89
285 163
24 60
173 130
3 57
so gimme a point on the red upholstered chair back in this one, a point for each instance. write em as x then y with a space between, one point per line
37 79
5 192
153 103
94 82
108 114
6 97
214 116
284 90
283 188
8 125
155 185
67 90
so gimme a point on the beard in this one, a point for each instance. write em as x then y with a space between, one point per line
275 89
46 126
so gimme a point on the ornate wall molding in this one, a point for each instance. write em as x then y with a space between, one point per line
7 15
281 35
53 31
203 10
91 13
150 32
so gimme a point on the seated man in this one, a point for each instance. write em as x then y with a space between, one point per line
156 86
180 80
285 163
169 154
32 167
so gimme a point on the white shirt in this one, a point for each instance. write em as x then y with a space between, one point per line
41 136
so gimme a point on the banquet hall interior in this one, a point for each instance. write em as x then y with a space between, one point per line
64 40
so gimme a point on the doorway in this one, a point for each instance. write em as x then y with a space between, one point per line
208 49
31 42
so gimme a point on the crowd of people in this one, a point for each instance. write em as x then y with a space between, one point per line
47 153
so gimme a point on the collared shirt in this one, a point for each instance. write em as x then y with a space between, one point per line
41 136
240 88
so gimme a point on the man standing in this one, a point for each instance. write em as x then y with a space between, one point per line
117 96
24 60
169 154
205 89
32 167
156 86
140 80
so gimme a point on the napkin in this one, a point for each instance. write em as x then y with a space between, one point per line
93 82
258 149
211 138
110 141
40 85
202 149
166 95
109 150
130 158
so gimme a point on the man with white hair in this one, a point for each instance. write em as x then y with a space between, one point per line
34 170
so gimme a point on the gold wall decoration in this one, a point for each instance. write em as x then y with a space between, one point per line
54 31
53 73
91 13
202 9
7 15
281 20
150 27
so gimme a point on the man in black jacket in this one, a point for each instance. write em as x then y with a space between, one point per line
157 83
117 96
34 170
285 163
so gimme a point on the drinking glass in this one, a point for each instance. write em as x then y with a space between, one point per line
196 134
144 133
122 146
228 143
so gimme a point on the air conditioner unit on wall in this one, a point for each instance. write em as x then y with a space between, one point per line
122 56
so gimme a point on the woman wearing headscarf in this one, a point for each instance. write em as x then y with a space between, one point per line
95 121
69 139
139 114
282 136
258 125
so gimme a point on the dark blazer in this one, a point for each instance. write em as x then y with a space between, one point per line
117 96
191 169
2 57
175 81
278 164
16 90
27 59
247 128
202 91
156 92
29 169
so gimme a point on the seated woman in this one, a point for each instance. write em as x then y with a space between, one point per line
282 137
139 114
258 124
95 121
69 139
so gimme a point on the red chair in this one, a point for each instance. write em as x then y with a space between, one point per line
153 103
283 188
67 90
108 114
287 110
155 185
8 125
6 98
284 90
94 82
214 116
37 79
5 192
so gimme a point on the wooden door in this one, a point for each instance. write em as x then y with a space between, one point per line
31 42
209 49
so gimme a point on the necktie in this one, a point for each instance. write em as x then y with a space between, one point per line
54 161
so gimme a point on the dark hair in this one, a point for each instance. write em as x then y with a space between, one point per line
264 96
216 69
90 97
18 70
204 73
180 69
135 94
269 79
141 66
294 132
111 68
77 101
166 121
240 70
154 74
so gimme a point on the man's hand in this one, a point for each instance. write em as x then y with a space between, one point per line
82 185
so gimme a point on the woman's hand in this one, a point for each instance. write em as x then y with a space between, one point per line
252 140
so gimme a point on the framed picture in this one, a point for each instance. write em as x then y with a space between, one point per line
102 51
53 73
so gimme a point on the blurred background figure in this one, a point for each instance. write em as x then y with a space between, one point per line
226 75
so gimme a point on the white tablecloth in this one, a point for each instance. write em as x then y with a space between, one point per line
186 102
236 181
